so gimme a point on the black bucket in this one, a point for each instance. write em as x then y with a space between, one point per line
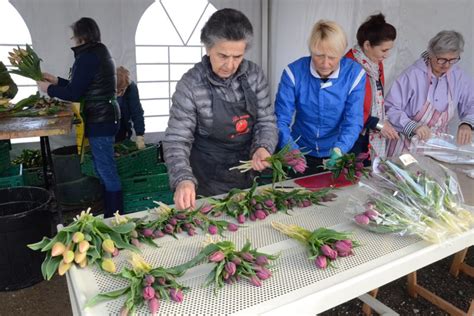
67 164
25 218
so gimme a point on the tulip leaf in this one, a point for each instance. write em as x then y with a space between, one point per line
124 228
50 266
93 253
71 228
39 244
104 297
149 242
61 237
121 244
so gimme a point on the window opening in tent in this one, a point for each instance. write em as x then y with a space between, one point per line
12 39
167 44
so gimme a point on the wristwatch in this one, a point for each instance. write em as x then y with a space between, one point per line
379 126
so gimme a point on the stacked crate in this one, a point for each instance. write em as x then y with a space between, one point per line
10 175
143 178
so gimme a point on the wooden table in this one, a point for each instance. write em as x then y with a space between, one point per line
43 127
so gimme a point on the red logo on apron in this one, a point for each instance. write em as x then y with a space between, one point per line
241 125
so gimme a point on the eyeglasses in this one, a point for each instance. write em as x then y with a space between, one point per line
443 61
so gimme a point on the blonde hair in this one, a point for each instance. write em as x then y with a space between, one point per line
123 78
330 35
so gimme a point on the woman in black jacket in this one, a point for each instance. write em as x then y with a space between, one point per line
93 83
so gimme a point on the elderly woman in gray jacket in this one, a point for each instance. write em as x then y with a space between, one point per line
221 114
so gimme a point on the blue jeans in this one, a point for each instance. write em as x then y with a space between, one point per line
102 148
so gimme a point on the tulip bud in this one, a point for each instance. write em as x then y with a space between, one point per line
343 249
79 256
241 218
191 232
217 256
371 214
147 232
68 256
348 242
115 253
255 281
329 252
261 260
217 214
206 208
108 265
306 203
84 246
158 233
154 305
359 165
148 293
236 260
134 234
83 263
149 279
362 219
258 206
269 203
232 227
169 228
181 216
173 221
58 249
252 217
321 262
247 256
135 242
77 237
358 174
260 214
63 267
124 311
161 281
264 274
212 229
230 267
197 221
176 295
108 246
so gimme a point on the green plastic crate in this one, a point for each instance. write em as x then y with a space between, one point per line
145 183
127 165
13 177
4 156
141 202
33 177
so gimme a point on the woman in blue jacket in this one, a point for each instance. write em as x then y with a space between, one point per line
319 104
130 109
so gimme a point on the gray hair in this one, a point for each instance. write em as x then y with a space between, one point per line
227 25
446 41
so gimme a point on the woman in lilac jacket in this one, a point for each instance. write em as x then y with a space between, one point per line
426 96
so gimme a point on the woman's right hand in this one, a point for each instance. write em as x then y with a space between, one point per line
50 78
185 195
423 132
388 131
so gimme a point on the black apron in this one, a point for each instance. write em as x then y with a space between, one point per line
228 141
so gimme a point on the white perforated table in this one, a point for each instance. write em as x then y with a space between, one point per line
297 286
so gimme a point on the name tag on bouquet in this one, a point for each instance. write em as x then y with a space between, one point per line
407 159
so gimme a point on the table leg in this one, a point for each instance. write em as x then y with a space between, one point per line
48 161
459 265
366 309
412 284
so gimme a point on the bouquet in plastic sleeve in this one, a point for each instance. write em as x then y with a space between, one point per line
380 212
86 241
147 285
27 63
443 147
231 265
280 162
427 186
324 245
349 165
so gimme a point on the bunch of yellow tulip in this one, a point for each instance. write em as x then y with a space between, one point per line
27 63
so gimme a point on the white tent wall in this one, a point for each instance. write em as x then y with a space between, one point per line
290 24
416 22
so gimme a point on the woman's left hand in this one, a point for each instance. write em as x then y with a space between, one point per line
43 86
388 131
258 159
464 134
